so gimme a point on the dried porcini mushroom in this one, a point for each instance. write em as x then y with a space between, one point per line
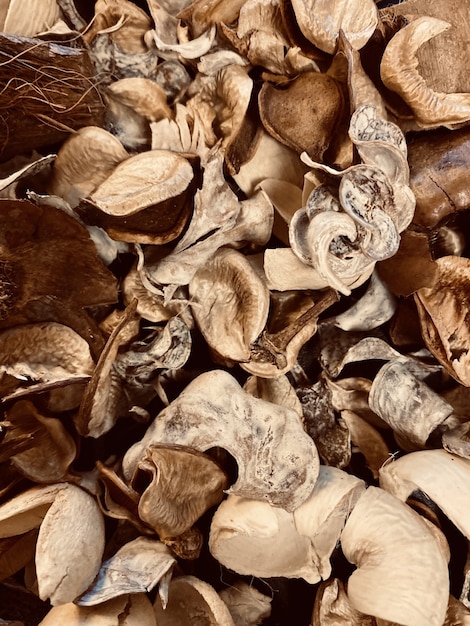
144 199
303 114
321 21
443 316
182 485
399 72
190 600
276 459
135 568
230 303
39 245
392 584
300 543
47 449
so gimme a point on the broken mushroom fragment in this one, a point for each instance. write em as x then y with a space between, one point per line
182 485
332 607
247 605
137 567
399 72
253 538
277 461
191 600
230 303
144 199
321 21
442 476
401 574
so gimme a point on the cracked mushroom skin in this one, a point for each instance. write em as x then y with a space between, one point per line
277 460
409 585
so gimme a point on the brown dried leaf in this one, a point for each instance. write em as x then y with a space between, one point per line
443 311
183 484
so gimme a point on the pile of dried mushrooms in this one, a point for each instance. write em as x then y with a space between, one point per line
234 313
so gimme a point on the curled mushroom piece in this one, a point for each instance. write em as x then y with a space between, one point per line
409 585
277 460
321 21
440 475
192 601
399 72
230 303
247 605
332 607
299 544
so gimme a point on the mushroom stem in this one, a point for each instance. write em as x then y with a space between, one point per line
272 346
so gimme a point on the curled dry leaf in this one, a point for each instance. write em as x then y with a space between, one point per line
48 449
182 485
247 605
135 568
40 245
129 610
443 477
144 199
443 315
70 546
276 459
409 406
303 114
399 72
300 544
410 585
191 600
83 162
230 303
321 21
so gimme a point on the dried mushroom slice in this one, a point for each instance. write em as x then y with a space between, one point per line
16 553
30 20
409 585
83 162
246 604
276 459
442 476
144 199
409 406
230 303
322 20
47 449
137 567
136 608
399 72
303 114
144 96
443 315
332 607
181 485
191 600
368 440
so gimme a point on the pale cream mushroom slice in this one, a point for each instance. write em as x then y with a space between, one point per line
253 538
83 162
191 601
29 19
440 475
144 96
230 303
399 72
277 390
247 605
409 585
181 484
321 21
126 610
137 567
145 199
408 405
276 459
